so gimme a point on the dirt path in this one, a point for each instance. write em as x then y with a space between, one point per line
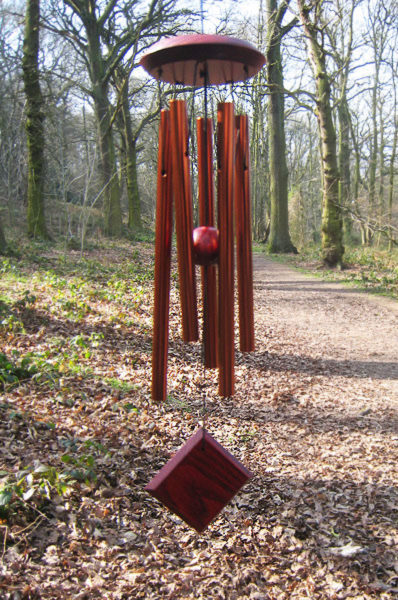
330 327
322 387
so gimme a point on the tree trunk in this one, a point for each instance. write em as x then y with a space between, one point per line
133 193
382 169
112 206
260 168
332 225
374 151
391 180
344 164
3 243
130 154
34 123
279 237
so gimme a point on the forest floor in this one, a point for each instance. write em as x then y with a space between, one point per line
314 417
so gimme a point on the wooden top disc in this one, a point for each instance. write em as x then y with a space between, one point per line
188 59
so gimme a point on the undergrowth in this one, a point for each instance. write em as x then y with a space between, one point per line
371 269
57 313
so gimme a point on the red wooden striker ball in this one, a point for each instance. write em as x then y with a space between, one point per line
205 245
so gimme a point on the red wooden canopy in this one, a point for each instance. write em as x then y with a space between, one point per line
186 59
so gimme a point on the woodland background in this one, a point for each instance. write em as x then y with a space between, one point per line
314 415
323 117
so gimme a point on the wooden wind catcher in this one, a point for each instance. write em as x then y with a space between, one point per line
202 476
201 60
199 480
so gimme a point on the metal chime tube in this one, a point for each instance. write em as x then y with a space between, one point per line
243 235
183 218
164 226
206 217
226 181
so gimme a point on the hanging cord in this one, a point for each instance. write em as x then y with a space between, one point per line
206 200
160 95
191 137
190 140
202 25
232 88
207 218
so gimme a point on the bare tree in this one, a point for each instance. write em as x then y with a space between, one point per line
134 93
12 120
311 17
34 122
340 34
279 236
89 25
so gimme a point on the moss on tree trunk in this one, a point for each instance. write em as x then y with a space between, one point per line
332 222
129 142
112 206
344 165
279 237
34 123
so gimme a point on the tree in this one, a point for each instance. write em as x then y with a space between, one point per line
379 27
137 101
34 122
89 25
93 16
394 145
130 131
340 33
304 177
332 223
253 94
3 243
279 236
12 122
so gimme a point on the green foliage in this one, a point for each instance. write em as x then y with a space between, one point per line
82 468
12 373
118 384
370 269
33 485
82 463
141 235
27 300
48 365
8 266
246 436
178 404
9 321
129 407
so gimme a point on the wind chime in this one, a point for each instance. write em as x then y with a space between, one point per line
202 477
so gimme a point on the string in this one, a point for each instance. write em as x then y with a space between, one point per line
205 272
206 200
160 95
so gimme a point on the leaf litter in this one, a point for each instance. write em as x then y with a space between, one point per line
314 417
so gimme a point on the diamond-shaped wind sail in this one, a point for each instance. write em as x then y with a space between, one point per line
199 480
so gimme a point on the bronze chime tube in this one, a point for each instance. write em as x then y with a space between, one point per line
226 181
206 217
183 218
164 226
243 236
